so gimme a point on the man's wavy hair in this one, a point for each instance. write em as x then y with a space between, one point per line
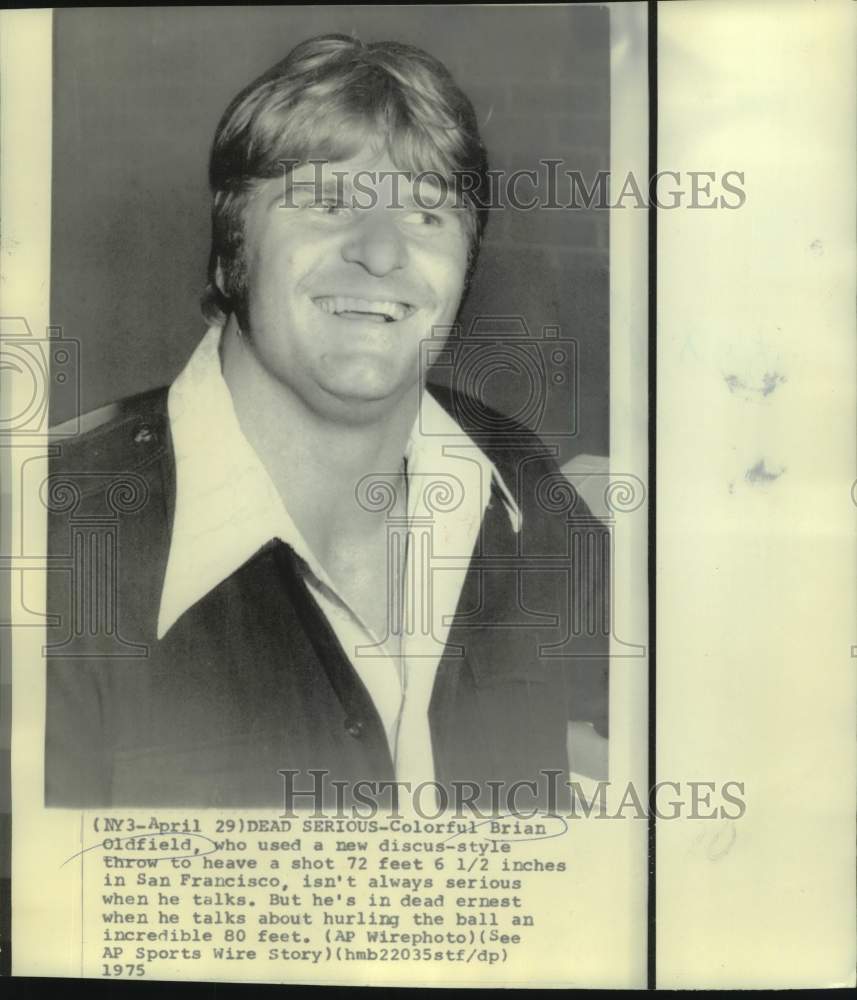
325 100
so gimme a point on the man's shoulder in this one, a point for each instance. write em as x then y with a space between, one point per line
118 437
501 437
109 490
527 465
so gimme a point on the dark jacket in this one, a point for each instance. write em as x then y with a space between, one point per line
252 679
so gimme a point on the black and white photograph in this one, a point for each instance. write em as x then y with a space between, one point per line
334 521
427 450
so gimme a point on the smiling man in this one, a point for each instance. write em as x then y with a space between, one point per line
312 563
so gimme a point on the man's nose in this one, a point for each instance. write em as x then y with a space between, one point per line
376 243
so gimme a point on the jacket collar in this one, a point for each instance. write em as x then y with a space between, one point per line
227 507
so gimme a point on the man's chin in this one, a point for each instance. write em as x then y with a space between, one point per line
364 399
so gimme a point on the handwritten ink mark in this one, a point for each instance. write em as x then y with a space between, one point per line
515 838
196 853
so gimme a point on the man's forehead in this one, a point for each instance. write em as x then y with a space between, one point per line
363 170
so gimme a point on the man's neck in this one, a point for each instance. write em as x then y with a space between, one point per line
316 464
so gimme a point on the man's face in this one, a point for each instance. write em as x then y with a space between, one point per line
348 271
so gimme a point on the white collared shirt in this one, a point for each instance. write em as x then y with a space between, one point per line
227 508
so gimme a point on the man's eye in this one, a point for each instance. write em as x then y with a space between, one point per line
329 206
420 218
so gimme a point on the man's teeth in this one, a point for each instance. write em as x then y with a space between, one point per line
371 308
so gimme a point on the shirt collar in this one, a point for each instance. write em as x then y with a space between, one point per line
227 507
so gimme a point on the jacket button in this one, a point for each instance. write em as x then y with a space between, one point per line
354 727
143 434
